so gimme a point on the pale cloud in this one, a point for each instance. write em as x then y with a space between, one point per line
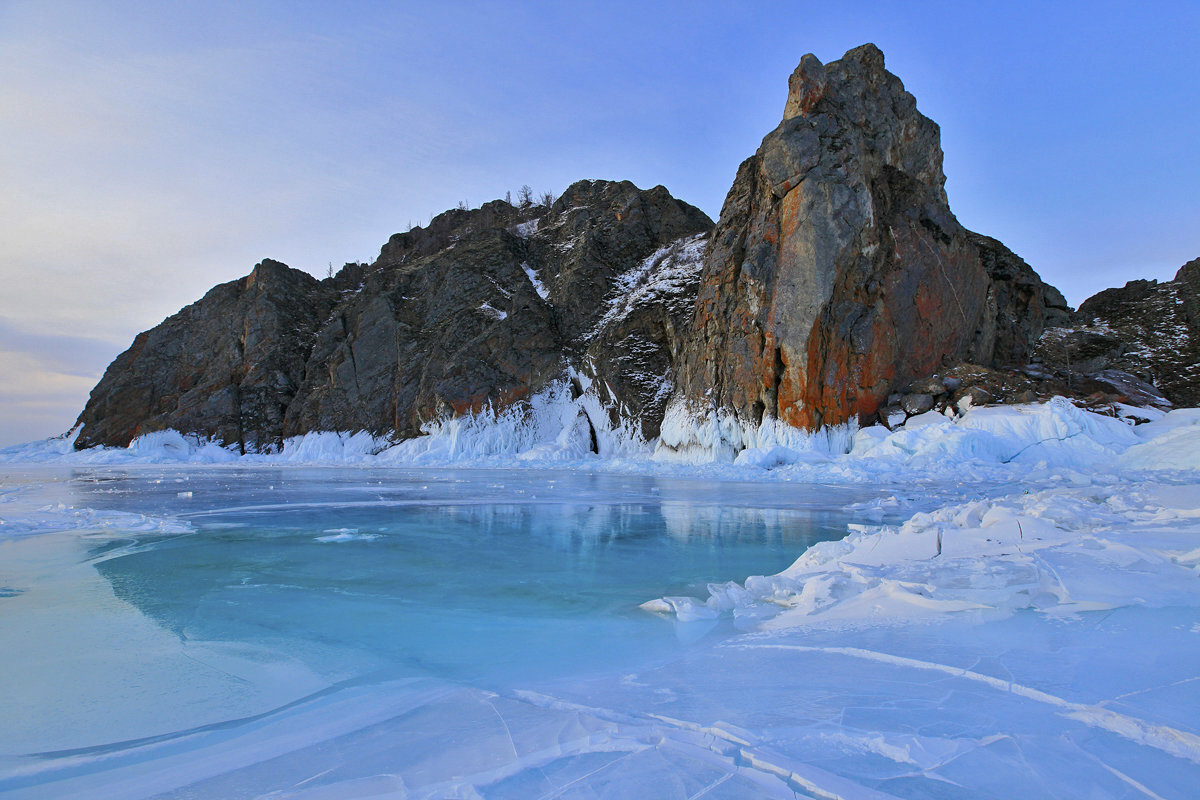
140 170
62 353
138 175
36 400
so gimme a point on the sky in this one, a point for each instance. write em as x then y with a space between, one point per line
149 151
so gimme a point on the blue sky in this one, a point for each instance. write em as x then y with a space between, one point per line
149 151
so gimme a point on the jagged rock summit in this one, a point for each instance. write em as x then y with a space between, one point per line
837 272
226 367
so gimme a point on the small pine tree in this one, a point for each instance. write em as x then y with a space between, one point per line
508 198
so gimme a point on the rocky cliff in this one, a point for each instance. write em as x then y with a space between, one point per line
837 287
228 366
837 272
482 308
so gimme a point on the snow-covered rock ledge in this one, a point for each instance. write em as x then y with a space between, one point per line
1108 516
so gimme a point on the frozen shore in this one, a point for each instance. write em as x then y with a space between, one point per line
985 443
1036 635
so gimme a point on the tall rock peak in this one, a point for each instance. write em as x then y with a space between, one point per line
837 271
836 277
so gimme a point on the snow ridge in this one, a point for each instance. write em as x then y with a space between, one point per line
984 444
1057 551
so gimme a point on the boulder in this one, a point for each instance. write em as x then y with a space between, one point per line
932 386
914 404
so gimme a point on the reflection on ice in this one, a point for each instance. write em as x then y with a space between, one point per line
442 584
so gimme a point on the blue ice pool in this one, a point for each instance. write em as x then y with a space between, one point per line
188 601
463 575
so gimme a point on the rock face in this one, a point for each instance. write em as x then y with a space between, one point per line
837 287
228 366
503 308
481 308
837 272
1150 329
1019 306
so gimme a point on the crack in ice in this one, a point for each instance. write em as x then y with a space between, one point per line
1171 741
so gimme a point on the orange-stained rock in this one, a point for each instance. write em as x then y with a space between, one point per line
837 271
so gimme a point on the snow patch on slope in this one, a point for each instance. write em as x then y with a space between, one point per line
663 276
494 313
538 286
527 229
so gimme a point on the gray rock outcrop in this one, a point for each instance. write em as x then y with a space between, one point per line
837 287
482 308
1147 328
227 367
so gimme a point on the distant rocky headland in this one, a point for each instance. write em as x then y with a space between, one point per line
836 288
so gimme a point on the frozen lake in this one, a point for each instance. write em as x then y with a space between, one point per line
197 597
325 632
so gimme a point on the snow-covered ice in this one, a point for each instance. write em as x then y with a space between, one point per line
1001 604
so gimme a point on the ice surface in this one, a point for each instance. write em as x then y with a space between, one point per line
195 644
346 535
1003 604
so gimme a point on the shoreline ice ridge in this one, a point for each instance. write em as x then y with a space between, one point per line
556 431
